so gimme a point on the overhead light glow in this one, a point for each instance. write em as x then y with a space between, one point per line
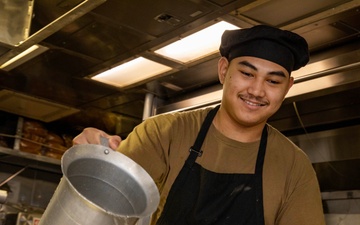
131 72
190 48
24 56
197 45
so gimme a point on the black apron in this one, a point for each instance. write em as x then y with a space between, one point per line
202 197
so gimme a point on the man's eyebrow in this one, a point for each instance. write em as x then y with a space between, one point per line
277 73
247 64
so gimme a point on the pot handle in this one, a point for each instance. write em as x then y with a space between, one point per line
104 141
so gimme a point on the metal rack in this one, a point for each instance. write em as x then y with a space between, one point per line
14 156
18 158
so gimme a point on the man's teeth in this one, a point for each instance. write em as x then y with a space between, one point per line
251 103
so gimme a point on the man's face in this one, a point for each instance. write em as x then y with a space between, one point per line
253 89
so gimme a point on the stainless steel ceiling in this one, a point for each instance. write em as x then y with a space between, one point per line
85 41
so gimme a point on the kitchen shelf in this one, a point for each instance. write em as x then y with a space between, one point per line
19 158
14 156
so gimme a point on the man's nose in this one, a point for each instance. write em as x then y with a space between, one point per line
256 88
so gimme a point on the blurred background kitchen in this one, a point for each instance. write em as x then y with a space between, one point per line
69 64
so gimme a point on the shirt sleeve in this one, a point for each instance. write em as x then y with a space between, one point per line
303 204
148 144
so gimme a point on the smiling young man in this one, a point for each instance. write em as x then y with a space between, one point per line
226 165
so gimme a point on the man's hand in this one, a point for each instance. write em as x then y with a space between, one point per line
92 135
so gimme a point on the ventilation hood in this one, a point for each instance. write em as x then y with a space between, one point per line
34 108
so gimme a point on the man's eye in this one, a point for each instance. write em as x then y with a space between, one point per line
246 74
273 82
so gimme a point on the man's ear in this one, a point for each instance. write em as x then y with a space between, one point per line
222 69
291 82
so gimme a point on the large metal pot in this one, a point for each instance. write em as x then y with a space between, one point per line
101 186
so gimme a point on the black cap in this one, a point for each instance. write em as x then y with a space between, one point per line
282 47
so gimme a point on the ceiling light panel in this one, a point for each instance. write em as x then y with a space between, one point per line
198 45
23 57
131 72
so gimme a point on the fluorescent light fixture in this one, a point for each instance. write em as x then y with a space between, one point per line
24 56
190 48
131 72
198 45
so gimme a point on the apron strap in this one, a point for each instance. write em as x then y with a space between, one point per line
195 150
258 177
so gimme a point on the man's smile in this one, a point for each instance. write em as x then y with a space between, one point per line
251 101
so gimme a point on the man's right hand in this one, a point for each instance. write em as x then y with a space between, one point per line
92 135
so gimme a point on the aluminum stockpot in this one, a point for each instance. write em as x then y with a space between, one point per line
101 186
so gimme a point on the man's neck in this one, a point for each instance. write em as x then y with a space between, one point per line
236 131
